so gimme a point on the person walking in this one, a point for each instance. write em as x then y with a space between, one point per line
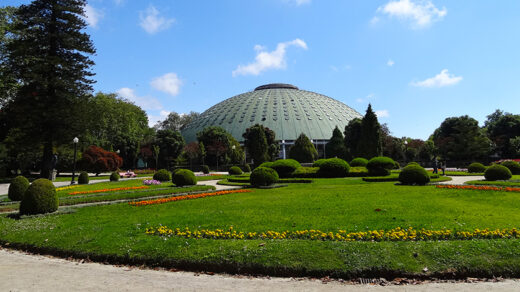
435 165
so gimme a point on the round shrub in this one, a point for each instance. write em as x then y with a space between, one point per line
359 161
83 178
397 165
235 170
318 162
267 164
39 198
17 188
114 176
162 175
413 163
184 177
380 166
205 169
263 176
513 166
334 167
246 168
285 167
414 175
306 172
476 167
497 172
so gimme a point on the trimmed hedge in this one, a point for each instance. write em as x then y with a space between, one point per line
306 172
358 171
397 165
513 166
318 162
246 168
162 175
184 177
205 169
414 175
476 167
285 167
413 163
83 178
359 161
380 166
114 176
333 167
497 172
266 164
235 170
17 188
263 176
40 198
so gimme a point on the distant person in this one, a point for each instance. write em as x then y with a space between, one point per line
443 167
435 165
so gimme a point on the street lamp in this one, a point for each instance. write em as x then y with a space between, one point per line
75 142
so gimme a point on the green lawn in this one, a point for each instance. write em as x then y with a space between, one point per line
117 232
513 182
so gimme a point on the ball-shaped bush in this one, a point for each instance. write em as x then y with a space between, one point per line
263 176
184 177
39 198
162 175
397 165
235 170
414 175
380 166
246 168
285 167
17 188
205 169
83 178
266 164
334 167
318 162
413 163
513 166
497 172
114 176
359 161
476 167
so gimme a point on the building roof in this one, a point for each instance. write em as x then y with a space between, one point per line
283 108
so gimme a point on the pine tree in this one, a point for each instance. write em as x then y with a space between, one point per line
49 57
336 146
352 136
261 144
370 142
303 150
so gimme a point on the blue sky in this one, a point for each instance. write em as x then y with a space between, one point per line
417 62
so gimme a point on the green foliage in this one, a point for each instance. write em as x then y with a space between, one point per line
235 170
246 168
256 143
359 161
266 164
263 176
114 176
303 150
513 166
336 145
333 167
503 128
497 172
219 146
83 178
414 175
162 175
460 138
170 145
380 166
352 137
285 167
358 171
413 163
397 165
476 167
318 162
370 141
306 172
184 177
205 169
17 188
39 198
176 122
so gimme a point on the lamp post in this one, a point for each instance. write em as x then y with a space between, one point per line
405 150
75 142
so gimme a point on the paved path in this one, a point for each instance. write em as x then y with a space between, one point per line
27 272
460 180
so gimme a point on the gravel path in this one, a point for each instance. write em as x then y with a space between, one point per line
26 272
460 180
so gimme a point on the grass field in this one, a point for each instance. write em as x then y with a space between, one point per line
116 233
513 182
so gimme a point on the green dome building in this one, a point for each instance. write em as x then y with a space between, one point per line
283 108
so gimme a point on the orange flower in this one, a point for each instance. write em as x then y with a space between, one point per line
109 190
186 197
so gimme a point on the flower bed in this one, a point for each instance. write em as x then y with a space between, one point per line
151 182
66 188
108 190
396 234
186 197
479 188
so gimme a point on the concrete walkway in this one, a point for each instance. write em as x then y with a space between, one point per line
460 180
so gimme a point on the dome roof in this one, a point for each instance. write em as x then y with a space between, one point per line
282 108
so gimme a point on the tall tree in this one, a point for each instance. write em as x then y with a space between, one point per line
8 82
49 57
352 137
175 121
260 143
502 128
303 150
370 142
219 146
170 146
336 146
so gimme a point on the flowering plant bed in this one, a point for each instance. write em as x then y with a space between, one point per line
151 182
108 190
479 188
186 197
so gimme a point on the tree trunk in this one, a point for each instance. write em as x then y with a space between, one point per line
46 170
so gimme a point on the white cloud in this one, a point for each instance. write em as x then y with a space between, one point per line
382 114
168 83
268 60
390 63
153 119
144 102
440 80
152 22
420 13
374 20
92 16
298 2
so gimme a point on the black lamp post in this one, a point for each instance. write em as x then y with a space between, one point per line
75 142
